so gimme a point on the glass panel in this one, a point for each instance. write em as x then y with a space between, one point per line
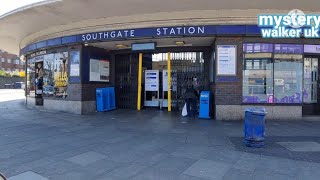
314 69
31 77
257 82
256 64
310 91
288 80
248 65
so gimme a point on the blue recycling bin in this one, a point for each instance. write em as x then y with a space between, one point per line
99 99
254 129
204 111
105 99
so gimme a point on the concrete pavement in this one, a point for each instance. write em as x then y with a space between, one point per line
151 144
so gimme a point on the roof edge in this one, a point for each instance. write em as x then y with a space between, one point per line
29 6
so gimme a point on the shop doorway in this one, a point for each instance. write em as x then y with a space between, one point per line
311 92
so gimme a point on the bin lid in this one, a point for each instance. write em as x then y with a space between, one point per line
256 110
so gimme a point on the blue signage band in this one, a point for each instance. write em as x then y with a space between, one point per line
116 35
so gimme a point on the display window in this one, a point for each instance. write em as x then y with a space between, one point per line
31 79
257 80
288 79
55 78
274 78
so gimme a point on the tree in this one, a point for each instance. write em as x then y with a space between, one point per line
4 73
22 74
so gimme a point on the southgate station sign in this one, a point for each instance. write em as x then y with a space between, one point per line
131 33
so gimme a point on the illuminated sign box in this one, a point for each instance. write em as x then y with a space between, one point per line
143 46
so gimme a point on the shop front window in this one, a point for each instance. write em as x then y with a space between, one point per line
257 73
55 78
272 78
31 81
257 81
288 79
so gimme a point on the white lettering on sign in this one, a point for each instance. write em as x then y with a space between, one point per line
180 30
38 53
165 31
107 35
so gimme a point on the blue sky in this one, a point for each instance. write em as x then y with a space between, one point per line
9 5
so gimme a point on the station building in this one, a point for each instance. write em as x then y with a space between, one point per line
150 51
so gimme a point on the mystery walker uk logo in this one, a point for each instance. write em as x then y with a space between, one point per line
295 24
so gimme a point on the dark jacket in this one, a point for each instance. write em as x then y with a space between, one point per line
190 93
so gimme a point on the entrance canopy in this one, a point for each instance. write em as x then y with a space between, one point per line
69 17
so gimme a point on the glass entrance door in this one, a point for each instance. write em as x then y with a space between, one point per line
311 90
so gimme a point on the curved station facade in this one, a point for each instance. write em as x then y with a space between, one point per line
141 48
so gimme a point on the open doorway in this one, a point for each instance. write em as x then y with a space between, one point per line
187 67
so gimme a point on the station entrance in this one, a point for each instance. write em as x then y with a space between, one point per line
187 68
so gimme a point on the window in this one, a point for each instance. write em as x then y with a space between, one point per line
9 60
55 76
311 78
288 79
31 77
257 80
2 60
17 61
272 78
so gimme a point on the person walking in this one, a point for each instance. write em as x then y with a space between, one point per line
191 96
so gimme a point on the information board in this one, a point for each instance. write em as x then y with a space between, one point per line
226 60
151 80
173 80
99 70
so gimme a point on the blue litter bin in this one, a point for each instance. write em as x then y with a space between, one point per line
254 127
204 111
105 98
99 99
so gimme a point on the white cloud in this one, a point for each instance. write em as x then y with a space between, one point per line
9 5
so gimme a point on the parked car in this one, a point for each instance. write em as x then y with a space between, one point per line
19 85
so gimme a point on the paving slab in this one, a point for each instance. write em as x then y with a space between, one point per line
208 169
28 176
301 146
86 158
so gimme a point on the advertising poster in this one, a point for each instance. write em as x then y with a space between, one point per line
226 60
152 80
99 70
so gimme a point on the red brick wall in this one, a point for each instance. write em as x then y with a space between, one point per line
228 90
11 65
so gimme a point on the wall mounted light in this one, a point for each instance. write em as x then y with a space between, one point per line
121 46
180 43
